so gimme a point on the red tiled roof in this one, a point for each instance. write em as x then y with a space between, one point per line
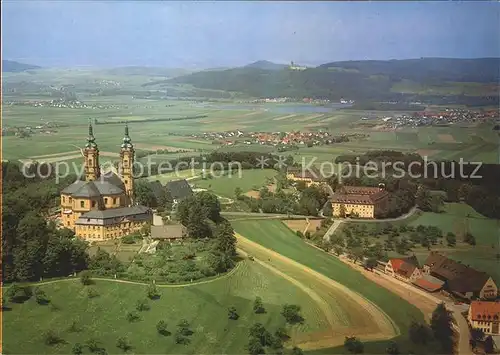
404 266
429 283
485 311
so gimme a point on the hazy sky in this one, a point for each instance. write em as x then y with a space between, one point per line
212 34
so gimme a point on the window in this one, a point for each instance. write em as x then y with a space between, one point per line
125 182
90 161
93 203
106 200
114 201
68 223
64 199
82 204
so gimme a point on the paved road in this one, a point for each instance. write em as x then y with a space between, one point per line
332 229
264 215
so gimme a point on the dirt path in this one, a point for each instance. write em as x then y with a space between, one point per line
382 327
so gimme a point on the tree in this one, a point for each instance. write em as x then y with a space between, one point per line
152 292
371 263
161 328
85 278
254 346
451 239
470 239
441 325
282 334
297 351
393 348
133 317
258 306
291 313
51 338
183 328
237 193
77 349
327 210
420 333
225 239
144 194
123 344
353 345
477 334
489 345
40 296
232 314
342 210
142 305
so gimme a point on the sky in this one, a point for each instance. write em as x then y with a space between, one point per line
221 34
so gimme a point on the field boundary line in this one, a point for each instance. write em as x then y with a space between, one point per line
195 283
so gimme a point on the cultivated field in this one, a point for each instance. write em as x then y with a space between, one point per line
246 181
275 236
119 105
103 318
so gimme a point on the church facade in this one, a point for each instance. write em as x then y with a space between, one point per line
102 206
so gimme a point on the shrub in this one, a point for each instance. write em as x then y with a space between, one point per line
161 327
142 305
85 278
133 317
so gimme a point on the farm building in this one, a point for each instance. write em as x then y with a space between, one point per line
485 316
429 283
363 202
459 279
168 232
310 176
178 189
405 269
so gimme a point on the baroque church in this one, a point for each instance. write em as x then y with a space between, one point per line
102 206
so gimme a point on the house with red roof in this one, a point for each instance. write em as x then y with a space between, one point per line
485 316
404 269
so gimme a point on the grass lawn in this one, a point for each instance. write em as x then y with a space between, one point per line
175 175
204 306
276 236
246 181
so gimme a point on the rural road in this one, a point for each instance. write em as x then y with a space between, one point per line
264 215
332 229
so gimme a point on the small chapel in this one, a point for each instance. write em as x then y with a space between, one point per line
101 206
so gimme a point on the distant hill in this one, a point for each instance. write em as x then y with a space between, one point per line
10 66
482 70
266 65
357 80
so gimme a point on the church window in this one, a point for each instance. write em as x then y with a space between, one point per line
125 182
90 161
64 199
68 223
82 203
114 201
70 199
106 200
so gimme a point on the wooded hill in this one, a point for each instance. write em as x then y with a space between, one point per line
358 80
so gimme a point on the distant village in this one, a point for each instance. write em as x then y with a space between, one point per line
295 138
60 103
446 117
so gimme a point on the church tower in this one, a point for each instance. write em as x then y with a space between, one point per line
126 166
91 154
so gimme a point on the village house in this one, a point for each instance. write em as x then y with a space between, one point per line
168 232
404 269
309 176
359 201
178 189
485 316
461 280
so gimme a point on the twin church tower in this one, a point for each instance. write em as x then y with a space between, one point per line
102 206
